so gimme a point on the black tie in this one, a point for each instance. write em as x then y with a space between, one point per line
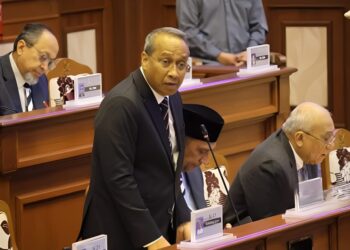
28 97
164 108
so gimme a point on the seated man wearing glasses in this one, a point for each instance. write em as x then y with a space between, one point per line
266 182
23 84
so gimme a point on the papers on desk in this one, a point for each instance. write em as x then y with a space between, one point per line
335 198
98 242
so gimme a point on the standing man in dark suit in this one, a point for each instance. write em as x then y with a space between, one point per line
265 184
22 70
197 150
138 151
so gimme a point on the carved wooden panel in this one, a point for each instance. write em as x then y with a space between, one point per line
46 219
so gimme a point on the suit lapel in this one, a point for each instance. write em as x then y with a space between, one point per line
10 83
293 178
196 185
153 109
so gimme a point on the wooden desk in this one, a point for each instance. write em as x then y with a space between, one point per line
45 155
205 71
44 170
328 231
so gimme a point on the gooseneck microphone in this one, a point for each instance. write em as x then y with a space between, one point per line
206 137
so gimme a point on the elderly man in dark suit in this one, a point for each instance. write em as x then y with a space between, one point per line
23 85
138 151
266 183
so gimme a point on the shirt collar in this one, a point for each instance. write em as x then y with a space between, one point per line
158 97
298 161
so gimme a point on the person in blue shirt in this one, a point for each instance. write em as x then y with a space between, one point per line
221 30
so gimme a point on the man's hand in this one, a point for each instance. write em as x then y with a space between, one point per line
227 58
241 58
183 232
232 59
162 242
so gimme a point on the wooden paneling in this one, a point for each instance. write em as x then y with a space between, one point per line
48 211
344 229
45 168
319 16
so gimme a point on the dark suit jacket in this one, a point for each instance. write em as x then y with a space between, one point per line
9 97
133 182
195 184
265 184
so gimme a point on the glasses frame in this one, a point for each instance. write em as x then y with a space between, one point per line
187 67
327 143
43 57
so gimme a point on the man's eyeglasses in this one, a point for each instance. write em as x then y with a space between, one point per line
44 58
327 142
166 63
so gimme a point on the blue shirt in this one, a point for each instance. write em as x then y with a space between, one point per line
214 26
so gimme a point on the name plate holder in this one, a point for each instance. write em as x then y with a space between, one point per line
206 229
87 90
258 61
310 201
188 81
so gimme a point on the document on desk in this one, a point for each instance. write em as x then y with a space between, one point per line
310 191
98 242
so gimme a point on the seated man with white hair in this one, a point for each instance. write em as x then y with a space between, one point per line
266 182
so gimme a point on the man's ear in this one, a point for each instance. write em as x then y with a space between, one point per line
144 59
299 138
20 46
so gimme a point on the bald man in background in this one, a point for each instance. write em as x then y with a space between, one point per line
266 182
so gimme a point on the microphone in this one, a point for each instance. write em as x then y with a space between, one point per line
206 137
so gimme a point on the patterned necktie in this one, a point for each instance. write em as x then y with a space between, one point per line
28 97
164 107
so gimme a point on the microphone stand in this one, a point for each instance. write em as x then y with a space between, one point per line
206 137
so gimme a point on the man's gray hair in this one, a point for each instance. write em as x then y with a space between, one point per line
303 118
31 34
149 41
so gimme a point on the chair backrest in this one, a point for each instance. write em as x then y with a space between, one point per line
336 167
214 189
64 67
7 235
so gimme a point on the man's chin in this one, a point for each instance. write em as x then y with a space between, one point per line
30 79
